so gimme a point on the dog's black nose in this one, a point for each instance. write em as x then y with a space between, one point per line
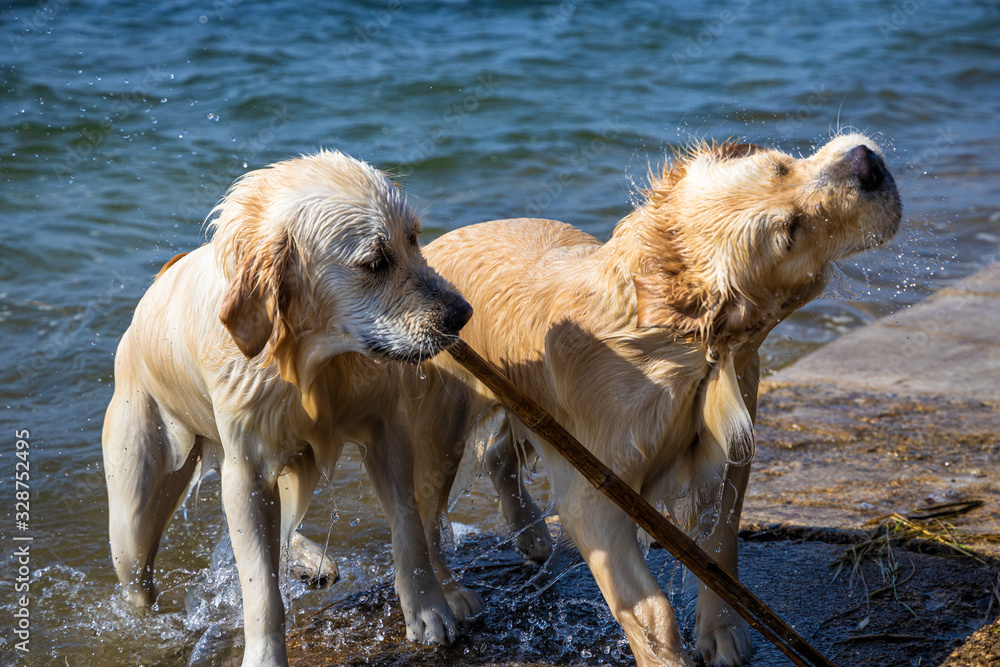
457 316
867 167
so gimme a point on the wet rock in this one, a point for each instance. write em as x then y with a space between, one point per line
555 615
898 417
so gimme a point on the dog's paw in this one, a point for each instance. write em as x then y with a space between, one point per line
464 603
141 595
534 543
432 624
309 563
726 645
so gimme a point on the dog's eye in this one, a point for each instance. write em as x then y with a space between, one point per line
795 226
380 264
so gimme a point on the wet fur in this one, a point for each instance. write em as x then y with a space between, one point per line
645 348
260 354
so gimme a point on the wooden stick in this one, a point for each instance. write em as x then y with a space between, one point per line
683 548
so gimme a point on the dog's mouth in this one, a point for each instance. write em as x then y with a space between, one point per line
429 348
876 231
878 238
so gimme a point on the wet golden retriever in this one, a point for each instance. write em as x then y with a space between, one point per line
260 354
645 348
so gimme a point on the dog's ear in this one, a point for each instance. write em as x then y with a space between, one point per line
667 301
245 314
257 296
725 418
256 310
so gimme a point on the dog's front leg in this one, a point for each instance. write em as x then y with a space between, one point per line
606 537
253 513
723 636
389 462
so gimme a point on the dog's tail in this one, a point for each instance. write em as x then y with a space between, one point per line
170 262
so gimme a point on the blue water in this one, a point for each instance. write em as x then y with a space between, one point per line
121 124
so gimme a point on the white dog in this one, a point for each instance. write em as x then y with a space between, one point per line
644 347
259 354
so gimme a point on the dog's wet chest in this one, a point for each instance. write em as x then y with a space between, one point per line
354 403
631 406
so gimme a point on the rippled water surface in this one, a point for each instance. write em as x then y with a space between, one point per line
121 124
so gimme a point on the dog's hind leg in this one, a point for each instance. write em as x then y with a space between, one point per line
505 468
389 462
437 456
148 465
308 561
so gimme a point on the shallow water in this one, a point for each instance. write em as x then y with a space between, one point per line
121 125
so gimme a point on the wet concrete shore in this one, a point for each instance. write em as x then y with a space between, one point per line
872 520
899 414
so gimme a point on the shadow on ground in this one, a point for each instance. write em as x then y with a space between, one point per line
556 616
863 588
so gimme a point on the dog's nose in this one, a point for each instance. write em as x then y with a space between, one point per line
867 167
457 316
